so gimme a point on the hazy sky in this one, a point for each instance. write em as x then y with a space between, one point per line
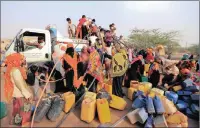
167 15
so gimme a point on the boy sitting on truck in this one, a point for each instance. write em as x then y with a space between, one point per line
38 44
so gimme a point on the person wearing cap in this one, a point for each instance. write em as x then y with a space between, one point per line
71 28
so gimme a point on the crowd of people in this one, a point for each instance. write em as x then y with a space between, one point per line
85 27
104 61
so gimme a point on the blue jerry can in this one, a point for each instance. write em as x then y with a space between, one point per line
188 82
137 93
171 96
195 108
3 112
195 97
158 105
139 102
181 105
184 93
142 115
149 105
190 114
193 88
149 122
160 121
186 99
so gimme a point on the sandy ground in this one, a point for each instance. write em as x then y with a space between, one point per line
73 120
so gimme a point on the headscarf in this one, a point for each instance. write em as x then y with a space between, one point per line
150 56
186 72
185 57
14 60
139 57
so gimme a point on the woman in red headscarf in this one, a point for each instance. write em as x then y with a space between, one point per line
149 58
16 89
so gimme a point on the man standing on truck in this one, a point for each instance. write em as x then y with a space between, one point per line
38 44
71 28
79 27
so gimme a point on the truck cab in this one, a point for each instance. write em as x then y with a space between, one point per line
32 53
37 55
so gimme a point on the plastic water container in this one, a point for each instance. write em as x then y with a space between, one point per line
139 102
56 109
171 96
192 115
181 105
137 93
149 122
195 108
157 91
186 99
32 108
177 88
142 115
158 105
184 93
160 121
144 79
149 105
42 110
3 112
132 116
193 88
188 82
195 97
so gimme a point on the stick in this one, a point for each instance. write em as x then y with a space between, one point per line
32 122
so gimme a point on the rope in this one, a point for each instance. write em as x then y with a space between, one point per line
53 81
32 122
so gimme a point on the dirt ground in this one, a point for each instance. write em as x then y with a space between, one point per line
73 120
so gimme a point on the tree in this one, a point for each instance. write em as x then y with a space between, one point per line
194 49
142 38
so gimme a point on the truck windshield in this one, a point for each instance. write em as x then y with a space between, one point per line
8 46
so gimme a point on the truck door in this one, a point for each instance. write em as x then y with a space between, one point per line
32 53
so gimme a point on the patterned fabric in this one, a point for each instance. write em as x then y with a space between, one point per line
12 61
21 111
154 66
73 63
95 67
119 64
